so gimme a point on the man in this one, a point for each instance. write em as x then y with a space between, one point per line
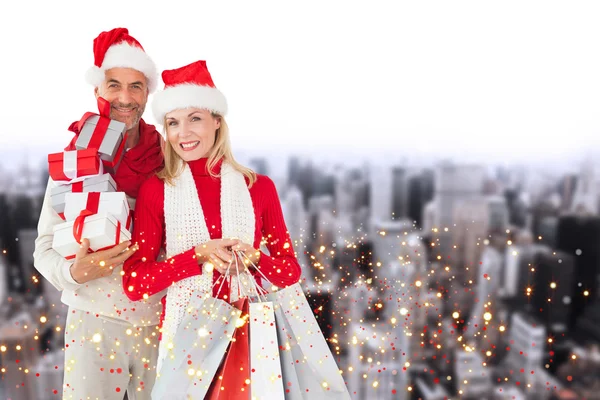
110 342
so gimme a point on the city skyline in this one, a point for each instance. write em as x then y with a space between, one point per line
370 288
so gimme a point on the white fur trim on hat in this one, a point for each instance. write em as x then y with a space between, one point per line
185 96
124 55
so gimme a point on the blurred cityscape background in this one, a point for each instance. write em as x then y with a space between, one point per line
432 281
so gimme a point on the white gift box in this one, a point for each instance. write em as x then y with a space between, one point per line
100 229
113 203
100 183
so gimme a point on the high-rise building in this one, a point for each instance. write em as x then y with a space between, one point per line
453 185
587 328
296 219
585 198
579 236
527 348
473 377
33 282
488 281
3 278
552 290
380 193
541 212
399 193
389 238
548 231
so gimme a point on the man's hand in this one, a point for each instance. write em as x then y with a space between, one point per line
90 266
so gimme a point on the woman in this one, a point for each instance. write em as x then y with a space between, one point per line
201 206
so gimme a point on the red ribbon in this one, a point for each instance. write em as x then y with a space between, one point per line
77 187
117 237
104 107
91 208
129 219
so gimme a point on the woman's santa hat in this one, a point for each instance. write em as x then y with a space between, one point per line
117 49
185 87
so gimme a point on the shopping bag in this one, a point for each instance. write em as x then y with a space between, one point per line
266 376
311 366
199 346
309 370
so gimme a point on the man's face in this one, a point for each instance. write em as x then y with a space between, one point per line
126 90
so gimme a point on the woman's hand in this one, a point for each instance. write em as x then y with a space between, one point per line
250 253
216 251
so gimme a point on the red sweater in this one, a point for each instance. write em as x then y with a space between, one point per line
144 275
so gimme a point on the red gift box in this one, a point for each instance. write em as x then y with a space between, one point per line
69 165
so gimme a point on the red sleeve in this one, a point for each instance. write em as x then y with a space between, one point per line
142 274
281 267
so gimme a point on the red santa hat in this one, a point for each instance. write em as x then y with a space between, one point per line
185 87
117 49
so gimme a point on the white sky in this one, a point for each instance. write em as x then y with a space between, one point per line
472 79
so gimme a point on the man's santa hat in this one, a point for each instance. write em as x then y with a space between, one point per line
117 49
185 87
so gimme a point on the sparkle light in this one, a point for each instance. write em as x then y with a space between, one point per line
239 322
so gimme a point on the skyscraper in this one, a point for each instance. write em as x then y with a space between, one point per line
579 236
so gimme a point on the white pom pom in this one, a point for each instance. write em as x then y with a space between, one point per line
94 76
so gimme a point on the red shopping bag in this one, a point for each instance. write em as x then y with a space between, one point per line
232 380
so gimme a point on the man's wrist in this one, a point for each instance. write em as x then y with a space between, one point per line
68 273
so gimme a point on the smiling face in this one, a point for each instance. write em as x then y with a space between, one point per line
126 90
192 132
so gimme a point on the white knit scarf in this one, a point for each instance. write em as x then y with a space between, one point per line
186 228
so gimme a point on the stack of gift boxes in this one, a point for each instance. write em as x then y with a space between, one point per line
85 194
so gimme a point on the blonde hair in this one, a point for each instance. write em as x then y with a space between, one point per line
221 150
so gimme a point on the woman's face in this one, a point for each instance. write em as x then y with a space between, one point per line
192 132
